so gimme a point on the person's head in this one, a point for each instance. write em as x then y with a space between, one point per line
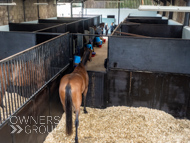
112 23
106 24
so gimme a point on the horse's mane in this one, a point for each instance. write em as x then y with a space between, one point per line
81 65
80 68
85 57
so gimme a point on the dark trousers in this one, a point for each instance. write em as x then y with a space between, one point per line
106 32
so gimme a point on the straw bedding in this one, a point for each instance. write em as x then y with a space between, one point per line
12 101
124 124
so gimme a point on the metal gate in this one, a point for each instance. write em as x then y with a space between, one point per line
26 73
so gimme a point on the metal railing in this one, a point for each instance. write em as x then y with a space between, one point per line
23 74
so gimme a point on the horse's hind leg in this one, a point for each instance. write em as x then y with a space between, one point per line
76 125
77 101
84 95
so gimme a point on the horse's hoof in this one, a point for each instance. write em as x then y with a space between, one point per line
76 140
85 112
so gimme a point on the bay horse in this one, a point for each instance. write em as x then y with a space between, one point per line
71 88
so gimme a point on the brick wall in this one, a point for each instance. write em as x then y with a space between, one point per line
3 15
31 12
16 13
177 16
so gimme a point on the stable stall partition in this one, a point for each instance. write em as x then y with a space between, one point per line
90 22
149 54
71 25
157 90
146 17
97 20
14 42
43 36
75 27
28 83
153 30
29 27
146 21
141 72
87 24
71 18
150 72
56 20
60 28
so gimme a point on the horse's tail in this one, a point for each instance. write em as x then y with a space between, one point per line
68 106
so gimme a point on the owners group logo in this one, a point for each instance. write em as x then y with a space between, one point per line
29 124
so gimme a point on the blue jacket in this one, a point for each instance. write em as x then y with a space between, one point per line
111 28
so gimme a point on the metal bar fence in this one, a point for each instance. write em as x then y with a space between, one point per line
23 74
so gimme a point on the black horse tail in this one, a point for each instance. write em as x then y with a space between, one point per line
68 106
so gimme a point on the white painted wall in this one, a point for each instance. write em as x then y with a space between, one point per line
4 28
64 10
123 13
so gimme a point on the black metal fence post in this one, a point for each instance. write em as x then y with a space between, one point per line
8 12
164 13
24 10
186 20
118 11
38 10
171 13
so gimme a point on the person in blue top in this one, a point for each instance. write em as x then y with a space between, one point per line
111 27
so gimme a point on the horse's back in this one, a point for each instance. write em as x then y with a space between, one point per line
82 71
76 82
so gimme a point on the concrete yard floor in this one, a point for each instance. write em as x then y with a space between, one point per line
97 63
